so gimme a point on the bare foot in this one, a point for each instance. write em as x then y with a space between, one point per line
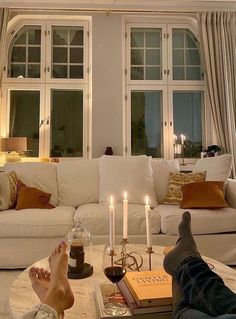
59 295
40 280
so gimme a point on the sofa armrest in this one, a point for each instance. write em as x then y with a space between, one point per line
230 193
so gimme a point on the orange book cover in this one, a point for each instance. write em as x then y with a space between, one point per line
150 288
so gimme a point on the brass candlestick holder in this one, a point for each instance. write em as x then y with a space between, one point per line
149 252
129 260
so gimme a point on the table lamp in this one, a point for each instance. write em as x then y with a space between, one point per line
13 145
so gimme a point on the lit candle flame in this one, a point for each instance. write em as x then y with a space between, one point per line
125 195
147 200
111 201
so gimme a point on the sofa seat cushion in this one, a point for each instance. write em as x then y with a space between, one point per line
204 221
36 222
95 218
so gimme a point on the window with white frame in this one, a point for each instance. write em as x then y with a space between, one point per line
165 90
46 85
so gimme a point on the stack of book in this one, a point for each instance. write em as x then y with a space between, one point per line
148 295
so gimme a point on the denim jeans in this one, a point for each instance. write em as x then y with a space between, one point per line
205 294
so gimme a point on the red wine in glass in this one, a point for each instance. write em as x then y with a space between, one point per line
114 270
114 273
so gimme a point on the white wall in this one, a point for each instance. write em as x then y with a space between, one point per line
107 110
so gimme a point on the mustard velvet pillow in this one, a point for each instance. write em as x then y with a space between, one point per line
176 181
31 197
208 194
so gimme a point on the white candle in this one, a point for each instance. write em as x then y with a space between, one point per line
111 224
125 216
148 228
183 138
175 139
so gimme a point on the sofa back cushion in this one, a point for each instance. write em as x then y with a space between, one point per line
161 172
217 168
78 182
40 175
132 174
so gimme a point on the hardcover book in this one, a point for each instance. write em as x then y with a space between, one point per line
150 288
133 305
103 294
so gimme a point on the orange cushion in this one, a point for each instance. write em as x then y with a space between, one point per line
208 194
31 197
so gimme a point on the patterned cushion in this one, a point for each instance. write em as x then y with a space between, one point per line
176 181
8 190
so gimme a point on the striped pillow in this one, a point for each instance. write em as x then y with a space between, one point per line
176 181
8 190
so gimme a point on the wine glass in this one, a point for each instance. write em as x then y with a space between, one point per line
114 269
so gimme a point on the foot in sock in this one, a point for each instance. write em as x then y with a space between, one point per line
184 248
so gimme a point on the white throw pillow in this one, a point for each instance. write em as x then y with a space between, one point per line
217 168
132 174
78 182
161 172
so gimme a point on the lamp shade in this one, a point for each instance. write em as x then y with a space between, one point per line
18 144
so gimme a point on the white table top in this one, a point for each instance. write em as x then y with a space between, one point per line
22 296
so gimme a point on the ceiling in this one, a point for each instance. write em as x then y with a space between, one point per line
129 5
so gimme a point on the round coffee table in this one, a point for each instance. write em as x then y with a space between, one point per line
22 296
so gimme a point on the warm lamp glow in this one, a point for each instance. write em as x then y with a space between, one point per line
13 145
9 144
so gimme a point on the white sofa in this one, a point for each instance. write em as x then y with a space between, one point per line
30 234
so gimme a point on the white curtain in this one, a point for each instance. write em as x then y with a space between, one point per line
218 49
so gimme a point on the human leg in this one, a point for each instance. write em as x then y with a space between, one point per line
53 288
203 289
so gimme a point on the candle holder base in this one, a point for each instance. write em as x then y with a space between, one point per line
87 272
150 252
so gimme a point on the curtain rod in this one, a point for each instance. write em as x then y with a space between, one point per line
106 11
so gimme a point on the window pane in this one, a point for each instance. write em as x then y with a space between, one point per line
178 73
76 55
178 57
145 51
76 71
18 54
137 39
137 57
146 114
59 55
137 73
34 54
153 73
68 48
67 124
20 38
192 57
187 110
24 118
34 71
34 36
76 37
25 48
193 73
60 71
185 52
153 57
153 39
60 36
